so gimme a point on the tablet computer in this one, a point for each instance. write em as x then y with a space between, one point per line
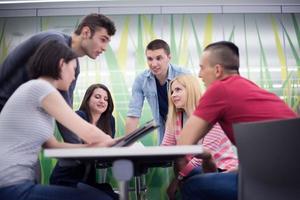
136 134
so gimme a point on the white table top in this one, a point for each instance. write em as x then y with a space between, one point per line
119 152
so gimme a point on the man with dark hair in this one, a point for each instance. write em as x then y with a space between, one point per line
26 127
91 38
229 99
152 84
226 53
94 22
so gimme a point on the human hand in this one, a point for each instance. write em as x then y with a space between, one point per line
172 188
119 138
105 143
180 163
205 155
208 163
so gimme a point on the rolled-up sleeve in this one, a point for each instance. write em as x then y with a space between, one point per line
137 98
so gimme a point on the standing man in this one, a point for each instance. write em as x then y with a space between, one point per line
152 84
229 99
91 38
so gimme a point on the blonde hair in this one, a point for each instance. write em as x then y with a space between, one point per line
193 91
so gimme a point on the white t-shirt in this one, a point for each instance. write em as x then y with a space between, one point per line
24 127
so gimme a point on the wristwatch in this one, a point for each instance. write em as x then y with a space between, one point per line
180 178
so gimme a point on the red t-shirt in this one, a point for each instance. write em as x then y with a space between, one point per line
235 99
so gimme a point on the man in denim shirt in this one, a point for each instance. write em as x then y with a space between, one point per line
152 84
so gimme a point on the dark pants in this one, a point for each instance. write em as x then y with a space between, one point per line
210 186
73 175
30 191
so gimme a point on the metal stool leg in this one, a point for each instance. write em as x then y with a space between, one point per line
140 187
101 175
123 189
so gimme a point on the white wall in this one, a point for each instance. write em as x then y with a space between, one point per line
10 8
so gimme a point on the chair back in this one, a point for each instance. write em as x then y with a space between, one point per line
269 156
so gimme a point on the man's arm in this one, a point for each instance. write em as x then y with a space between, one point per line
194 129
131 124
135 105
67 135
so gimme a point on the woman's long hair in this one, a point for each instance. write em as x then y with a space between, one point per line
193 91
104 122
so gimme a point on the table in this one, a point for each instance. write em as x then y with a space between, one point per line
132 160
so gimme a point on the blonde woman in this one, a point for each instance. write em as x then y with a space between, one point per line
183 96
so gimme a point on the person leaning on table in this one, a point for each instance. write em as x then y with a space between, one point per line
229 99
27 126
96 108
152 84
183 96
90 38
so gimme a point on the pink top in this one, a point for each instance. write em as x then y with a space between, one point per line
215 141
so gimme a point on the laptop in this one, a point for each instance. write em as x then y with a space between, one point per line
136 134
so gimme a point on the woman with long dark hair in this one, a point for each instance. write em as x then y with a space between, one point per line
96 108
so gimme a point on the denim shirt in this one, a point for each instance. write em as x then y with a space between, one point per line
144 86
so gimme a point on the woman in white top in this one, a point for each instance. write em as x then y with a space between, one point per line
27 125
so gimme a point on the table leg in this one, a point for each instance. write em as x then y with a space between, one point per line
123 172
140 187
123 190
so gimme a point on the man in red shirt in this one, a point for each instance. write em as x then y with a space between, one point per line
229 99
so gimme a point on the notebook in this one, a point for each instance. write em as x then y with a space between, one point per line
136 134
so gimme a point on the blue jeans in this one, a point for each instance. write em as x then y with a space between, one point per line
30 191
210 186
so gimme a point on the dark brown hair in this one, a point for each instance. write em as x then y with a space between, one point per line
224 53
104 123
94 21
158 44
45 60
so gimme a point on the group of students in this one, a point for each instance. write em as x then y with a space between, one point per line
37 80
